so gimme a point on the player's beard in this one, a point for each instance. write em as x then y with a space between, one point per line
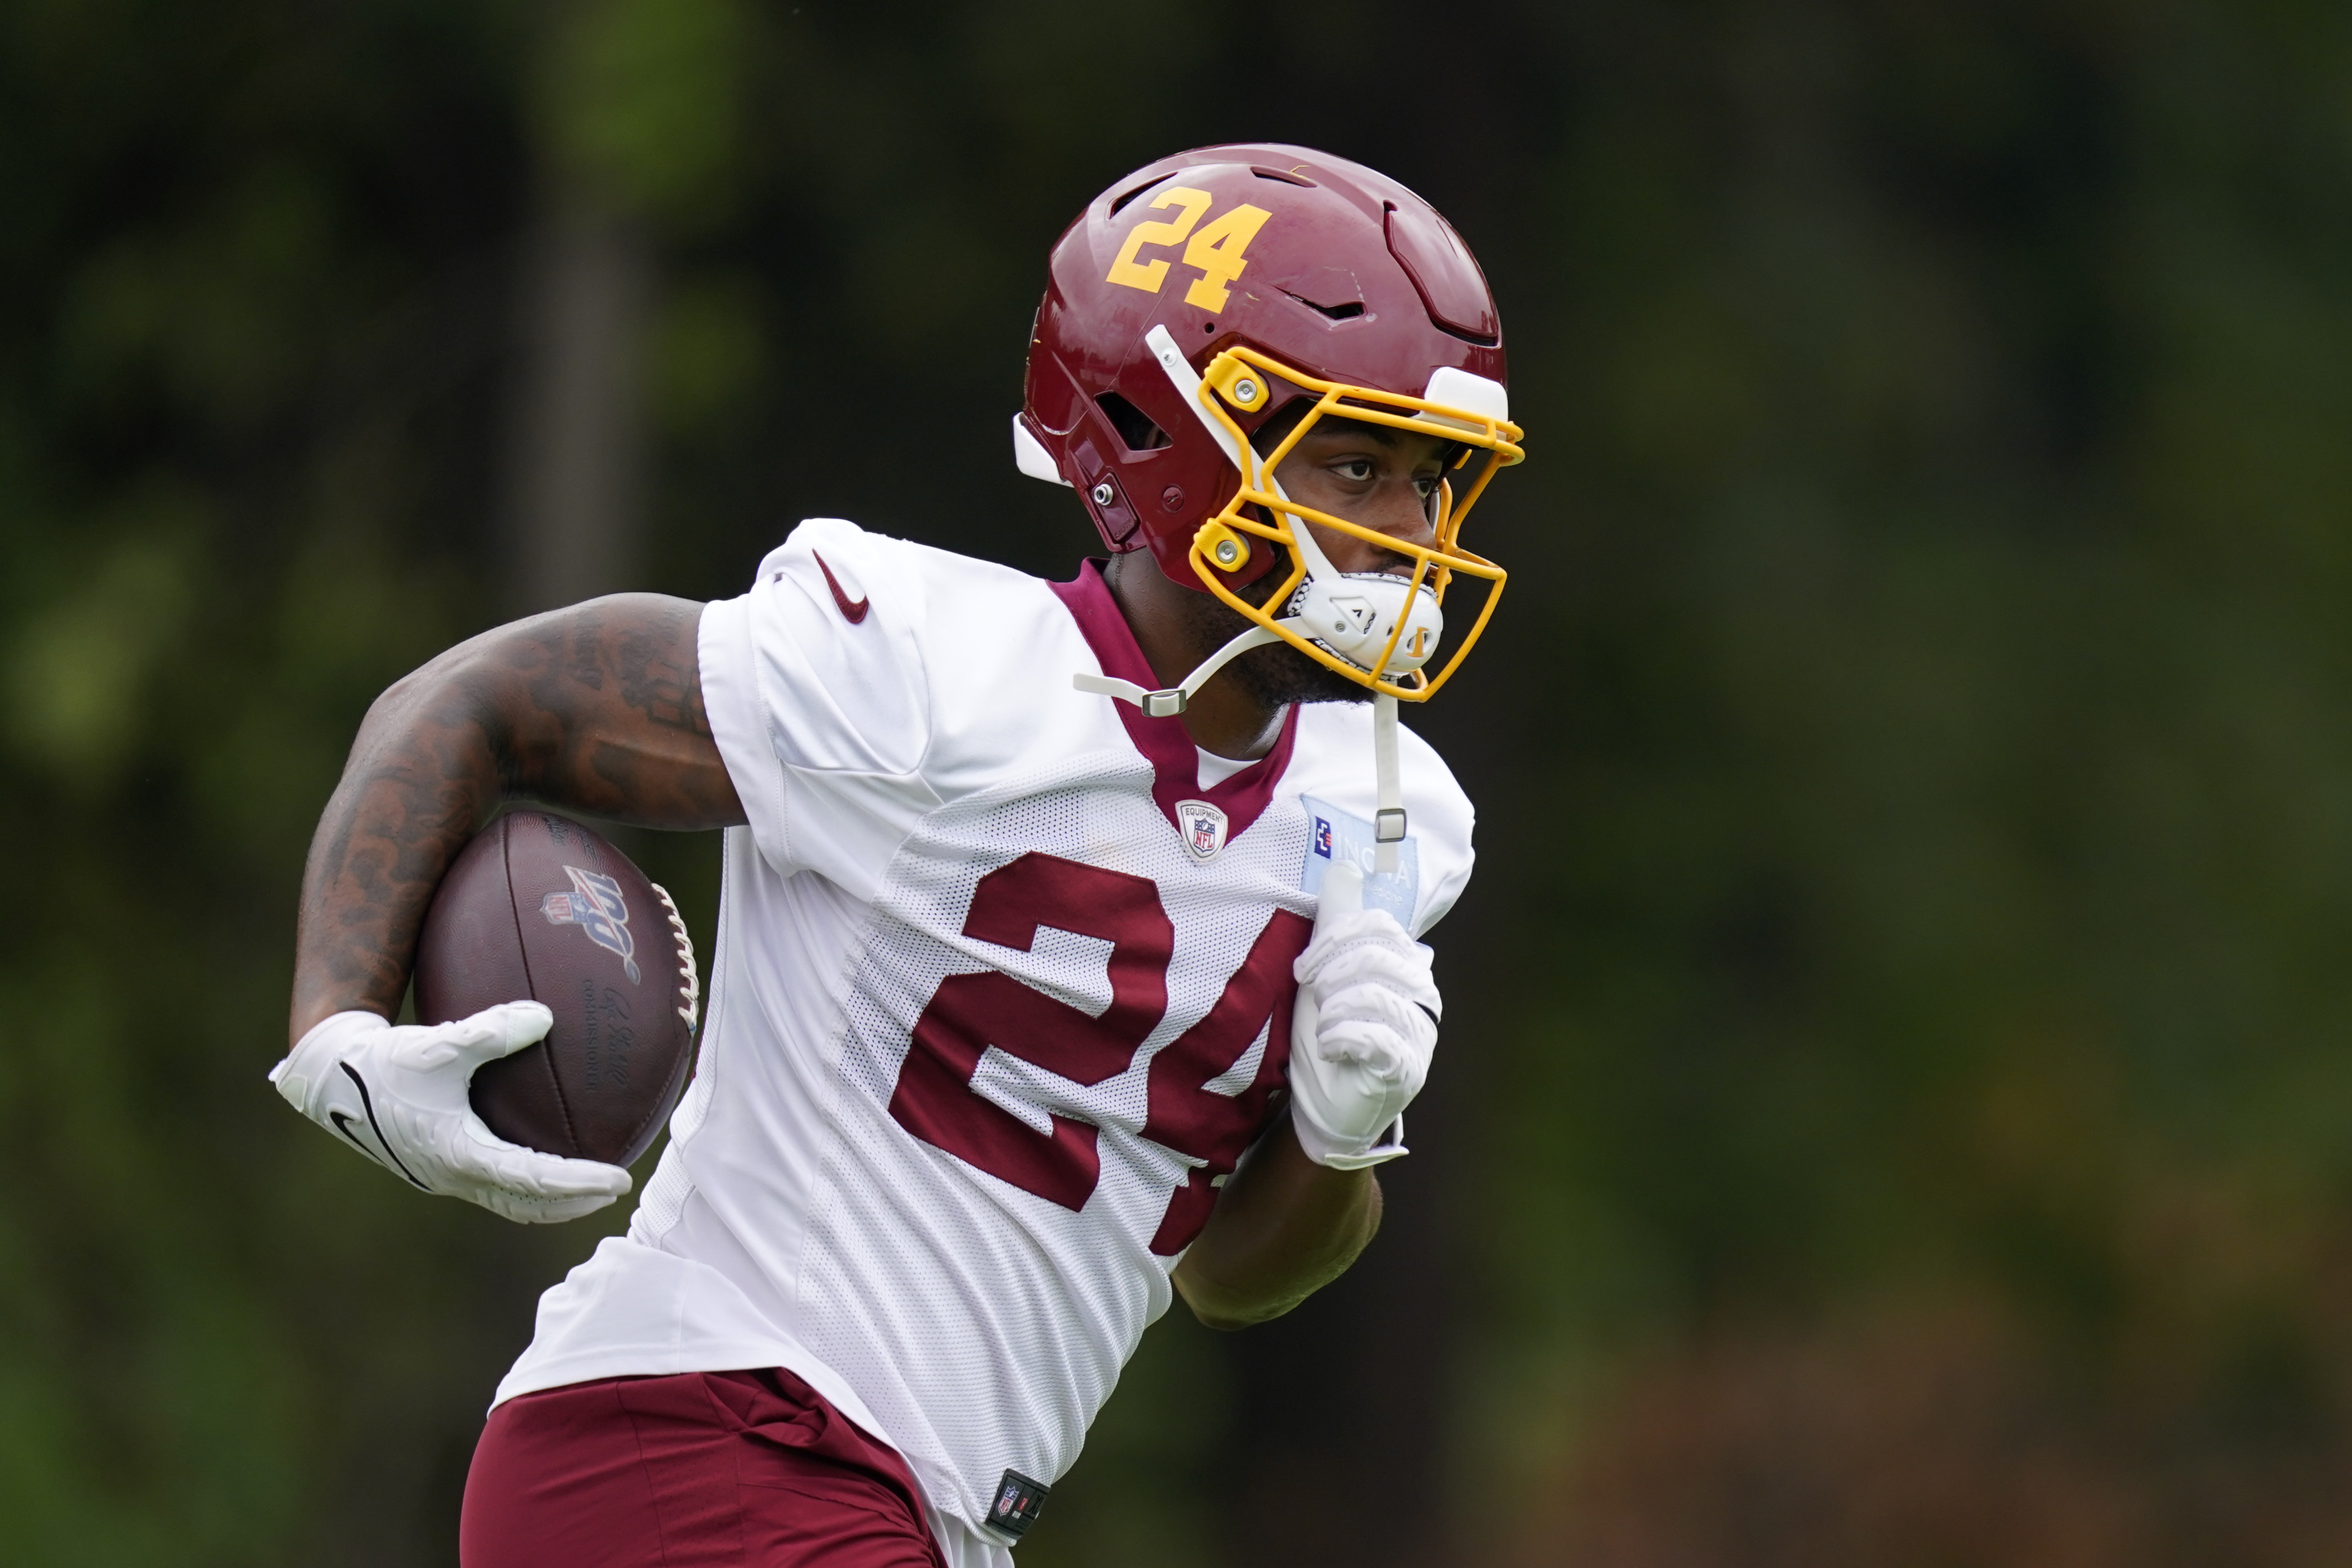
1276 675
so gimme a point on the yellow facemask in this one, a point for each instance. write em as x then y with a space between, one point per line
1379 636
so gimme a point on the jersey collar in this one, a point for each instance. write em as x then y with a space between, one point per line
1165 744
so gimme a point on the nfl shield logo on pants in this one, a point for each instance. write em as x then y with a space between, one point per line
1202 827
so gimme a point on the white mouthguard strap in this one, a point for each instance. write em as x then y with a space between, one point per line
1389 821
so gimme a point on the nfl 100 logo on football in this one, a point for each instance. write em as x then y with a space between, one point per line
594 904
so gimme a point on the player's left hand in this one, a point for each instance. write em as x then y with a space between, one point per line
1364 1032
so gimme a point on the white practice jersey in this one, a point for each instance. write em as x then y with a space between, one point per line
1000 995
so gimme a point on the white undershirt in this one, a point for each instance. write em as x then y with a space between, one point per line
1215 770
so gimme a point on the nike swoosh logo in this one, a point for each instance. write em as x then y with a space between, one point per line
851 611
343 1125
367 1104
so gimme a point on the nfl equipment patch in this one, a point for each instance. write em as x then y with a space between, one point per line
1334 835
1018 1502
1203 827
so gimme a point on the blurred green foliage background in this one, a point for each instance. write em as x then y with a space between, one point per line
1896 1105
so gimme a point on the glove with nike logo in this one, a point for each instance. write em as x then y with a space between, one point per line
398 1094
1362 1031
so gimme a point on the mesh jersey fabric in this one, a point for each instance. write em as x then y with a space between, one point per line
986 1030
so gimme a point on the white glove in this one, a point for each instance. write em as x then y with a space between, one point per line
1362 1031
398 1096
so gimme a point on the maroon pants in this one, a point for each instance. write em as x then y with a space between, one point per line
750 1469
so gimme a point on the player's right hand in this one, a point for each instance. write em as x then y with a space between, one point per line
398 1094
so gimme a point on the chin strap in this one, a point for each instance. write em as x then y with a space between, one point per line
1170 700
1389 820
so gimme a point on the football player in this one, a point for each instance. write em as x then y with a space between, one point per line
1068 954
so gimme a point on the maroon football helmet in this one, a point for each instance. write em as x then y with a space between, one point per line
1203 296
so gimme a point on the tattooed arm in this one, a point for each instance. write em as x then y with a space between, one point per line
597 708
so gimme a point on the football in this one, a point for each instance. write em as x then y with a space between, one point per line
537 906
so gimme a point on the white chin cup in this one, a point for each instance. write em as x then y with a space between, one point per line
1355 615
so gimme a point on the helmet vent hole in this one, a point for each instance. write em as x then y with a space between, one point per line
1483 340
1285 176
1135 427
1124 197
1343 312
